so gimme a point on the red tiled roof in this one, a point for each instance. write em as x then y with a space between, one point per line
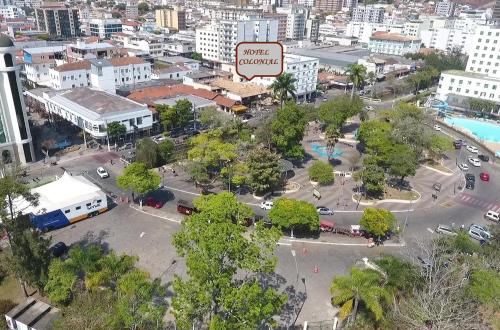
150 95
131 23
80 65
225 102
382 35
121 61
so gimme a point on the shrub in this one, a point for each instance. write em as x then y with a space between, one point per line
321 172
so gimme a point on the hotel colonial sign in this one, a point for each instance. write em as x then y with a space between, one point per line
259 59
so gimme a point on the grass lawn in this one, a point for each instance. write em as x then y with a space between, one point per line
11 289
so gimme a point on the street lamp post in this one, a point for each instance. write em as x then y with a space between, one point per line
296 265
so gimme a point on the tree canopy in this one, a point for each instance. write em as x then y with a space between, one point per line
379 222
177 115
291 213
263 169
215 250
283 87
321 172
138 178
288 130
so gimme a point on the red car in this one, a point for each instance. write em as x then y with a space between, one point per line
484 176
150 201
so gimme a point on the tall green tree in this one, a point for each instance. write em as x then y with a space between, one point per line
288 130
165 151
30 256
212 118
402 162
373 178
264 170
284 87
177 115
321 172
372 79
196 56
215 250
376 221
147 152
356 74
360 286
115 130
139 179
294 214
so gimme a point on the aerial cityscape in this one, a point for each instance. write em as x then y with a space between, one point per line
249 164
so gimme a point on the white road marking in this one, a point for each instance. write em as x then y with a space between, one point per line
286 244
430 230
142 234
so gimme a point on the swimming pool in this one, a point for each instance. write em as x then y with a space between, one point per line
483 130
323 152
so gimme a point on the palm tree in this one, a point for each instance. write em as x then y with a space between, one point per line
284 87
356 74
332 137
361 285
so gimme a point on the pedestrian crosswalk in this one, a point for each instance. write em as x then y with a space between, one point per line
478 203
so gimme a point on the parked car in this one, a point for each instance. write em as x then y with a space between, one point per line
437 127
185 207
492 215
102 172
436 186
58 249
484 176
126 146
266 205
473 149
479 233
324 210
484 158
368 108
152 202
445 230
474 161
463 167
158 138
470 177
469 185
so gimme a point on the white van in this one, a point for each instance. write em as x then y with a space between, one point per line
445 230
492 215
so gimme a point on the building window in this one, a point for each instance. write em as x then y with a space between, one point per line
78 208
66 211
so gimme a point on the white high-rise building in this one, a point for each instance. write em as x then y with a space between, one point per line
296 21
131 9
445 8
368 14
481 78
15 137
217 41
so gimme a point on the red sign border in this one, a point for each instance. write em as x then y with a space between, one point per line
265 43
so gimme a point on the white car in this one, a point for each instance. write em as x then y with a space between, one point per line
473 149
492 215
102 172
474 161
479 233
266 205
463 167
368 108
437 127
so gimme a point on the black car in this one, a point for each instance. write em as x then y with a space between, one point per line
469 177
58 249
469 185
484 158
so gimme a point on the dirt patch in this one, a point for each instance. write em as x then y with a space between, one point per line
438 166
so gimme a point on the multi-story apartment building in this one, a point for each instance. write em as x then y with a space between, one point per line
445 8
296 21
349 5
150 43
105 27
125 70
85 51
15 137
329 6
217 41
305 71
368 14
179 48
132 9
171 18
393 43
57 20
38 61
4 3
364 30
233 14
27 3
282 21
496 12
481 78
312 28
11 12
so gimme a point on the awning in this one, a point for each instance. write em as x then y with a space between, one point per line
239 108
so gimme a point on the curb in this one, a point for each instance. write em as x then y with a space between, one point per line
290 240
438 171
154 215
